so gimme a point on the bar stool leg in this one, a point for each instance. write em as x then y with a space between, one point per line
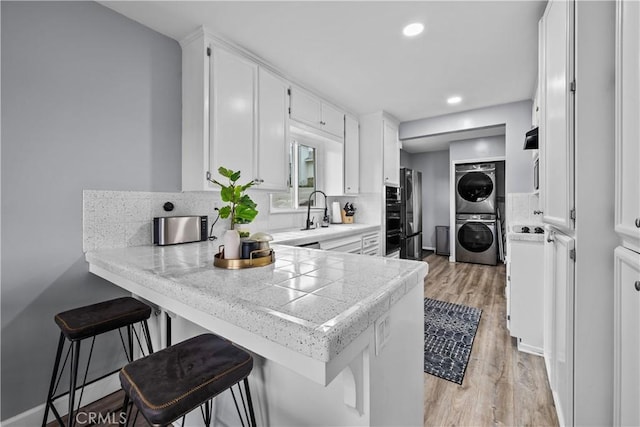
75 361
250 403
56 366
147 335
125 411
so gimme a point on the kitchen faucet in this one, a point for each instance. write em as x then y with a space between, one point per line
325 218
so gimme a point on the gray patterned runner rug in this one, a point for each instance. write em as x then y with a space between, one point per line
449 330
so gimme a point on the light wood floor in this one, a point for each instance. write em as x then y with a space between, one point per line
502 386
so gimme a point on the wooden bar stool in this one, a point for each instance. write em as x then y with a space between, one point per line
170 383
88 322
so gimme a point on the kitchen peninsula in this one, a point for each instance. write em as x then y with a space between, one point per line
337 337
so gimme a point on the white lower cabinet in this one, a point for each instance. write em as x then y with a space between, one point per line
526 291
366 244
560 271
626 394
627 170
371 243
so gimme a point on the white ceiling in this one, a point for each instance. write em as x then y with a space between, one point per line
354 53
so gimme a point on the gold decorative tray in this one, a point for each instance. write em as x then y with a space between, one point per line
254 261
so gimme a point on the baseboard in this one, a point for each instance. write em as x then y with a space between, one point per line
93 392
428 248
526 348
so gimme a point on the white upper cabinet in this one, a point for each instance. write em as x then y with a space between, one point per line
236 113
273 132
351 156
233 101
556 128
379 152
627 205
312 111
391 152
332 120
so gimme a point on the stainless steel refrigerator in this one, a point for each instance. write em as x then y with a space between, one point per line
411 214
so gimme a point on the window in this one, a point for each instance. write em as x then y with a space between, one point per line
304 179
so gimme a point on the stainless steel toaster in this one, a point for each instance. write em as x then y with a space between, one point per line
171 230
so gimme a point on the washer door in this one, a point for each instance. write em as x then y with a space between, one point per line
475 237
475 186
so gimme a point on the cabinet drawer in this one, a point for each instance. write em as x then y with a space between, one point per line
372 251
353 247
344 244
369 240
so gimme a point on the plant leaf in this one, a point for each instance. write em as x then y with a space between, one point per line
246 213
225 211
225 172
235 176
227 194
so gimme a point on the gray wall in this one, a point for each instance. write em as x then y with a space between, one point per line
479 148
91 100
516 117
434 166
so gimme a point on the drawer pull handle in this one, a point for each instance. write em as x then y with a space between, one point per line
638 222
637 285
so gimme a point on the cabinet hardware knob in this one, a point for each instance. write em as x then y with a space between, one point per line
550 238
638 222
637 285
322 123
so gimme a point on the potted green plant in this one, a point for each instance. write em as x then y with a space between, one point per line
240 208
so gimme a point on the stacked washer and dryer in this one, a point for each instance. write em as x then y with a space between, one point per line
476 219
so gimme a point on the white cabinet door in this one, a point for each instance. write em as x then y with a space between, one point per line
312 111
626 351
627 123
333 166
332 120
273 132
306 108
233 82
557 124
351 156
391 154
562 276
526 294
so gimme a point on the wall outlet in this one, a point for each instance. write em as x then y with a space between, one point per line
382 331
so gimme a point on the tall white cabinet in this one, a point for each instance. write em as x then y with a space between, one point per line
577 157
558 104
379 152
627 217
233 113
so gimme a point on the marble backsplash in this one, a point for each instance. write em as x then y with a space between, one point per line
521 208
115 219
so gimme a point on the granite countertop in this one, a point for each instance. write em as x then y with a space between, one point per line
300 237
311 301
515 232
525 237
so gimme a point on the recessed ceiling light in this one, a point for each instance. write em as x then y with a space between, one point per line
454 100
413 30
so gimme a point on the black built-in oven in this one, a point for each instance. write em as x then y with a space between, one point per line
393 225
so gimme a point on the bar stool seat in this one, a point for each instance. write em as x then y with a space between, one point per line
95 319
87 322
168 384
